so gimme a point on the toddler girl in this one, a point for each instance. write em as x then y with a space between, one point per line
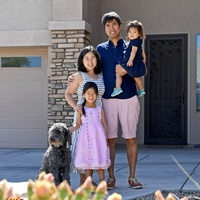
133 57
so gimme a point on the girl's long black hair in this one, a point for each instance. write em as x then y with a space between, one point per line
87 86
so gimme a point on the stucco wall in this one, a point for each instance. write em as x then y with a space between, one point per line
94 18
23 15
25 23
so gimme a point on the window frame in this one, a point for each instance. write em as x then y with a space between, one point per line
198 72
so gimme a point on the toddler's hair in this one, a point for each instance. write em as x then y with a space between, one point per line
138 25
87 86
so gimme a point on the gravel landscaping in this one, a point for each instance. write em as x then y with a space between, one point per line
192 195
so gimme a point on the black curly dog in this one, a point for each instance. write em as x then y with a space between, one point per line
57 158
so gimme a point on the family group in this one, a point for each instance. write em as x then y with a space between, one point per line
108 83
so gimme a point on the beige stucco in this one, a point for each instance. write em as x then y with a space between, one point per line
25 15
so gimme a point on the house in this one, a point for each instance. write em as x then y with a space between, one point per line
40 41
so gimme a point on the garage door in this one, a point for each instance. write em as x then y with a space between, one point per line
23 98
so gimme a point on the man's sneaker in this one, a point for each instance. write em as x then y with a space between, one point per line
111 183
116 92
141 93
133 183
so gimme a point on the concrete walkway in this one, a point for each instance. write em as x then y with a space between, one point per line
156 169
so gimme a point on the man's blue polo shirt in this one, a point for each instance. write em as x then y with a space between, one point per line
110 56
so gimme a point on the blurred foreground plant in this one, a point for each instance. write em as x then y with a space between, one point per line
171 196
44 188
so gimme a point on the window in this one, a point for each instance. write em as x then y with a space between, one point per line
198 73
21 62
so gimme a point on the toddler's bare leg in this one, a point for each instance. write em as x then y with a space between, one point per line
139 83
118 81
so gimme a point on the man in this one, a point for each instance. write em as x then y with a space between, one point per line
125 106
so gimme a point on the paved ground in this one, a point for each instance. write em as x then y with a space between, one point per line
156 169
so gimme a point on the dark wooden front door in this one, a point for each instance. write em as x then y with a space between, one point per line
166 89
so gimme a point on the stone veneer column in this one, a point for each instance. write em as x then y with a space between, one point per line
65 49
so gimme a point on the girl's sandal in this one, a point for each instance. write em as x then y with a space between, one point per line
111 183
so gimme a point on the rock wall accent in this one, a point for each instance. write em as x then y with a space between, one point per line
65 49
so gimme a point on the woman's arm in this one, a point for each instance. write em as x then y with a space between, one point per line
71 89
103 121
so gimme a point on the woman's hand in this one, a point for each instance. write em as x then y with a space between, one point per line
78 108
70 79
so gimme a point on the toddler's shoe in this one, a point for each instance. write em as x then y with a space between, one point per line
141 93
116 92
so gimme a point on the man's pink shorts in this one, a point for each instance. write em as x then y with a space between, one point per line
124 110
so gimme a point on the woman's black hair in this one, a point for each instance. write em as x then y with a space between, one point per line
110 16
87 86
85 50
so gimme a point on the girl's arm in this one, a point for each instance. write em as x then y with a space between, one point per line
71 89
132 56
144 56
77 124
103 121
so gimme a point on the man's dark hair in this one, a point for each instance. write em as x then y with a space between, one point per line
110 16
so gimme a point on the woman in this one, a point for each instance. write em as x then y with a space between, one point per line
89 70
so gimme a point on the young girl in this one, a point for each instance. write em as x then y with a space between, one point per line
134 56
92 152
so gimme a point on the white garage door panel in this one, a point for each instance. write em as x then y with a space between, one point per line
10 98
29 134
28 138
26 134
24 101
21 111
22 85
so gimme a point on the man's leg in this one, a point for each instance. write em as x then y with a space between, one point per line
111 180
112 157
132 154
111 114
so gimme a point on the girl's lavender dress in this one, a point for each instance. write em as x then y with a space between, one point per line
92 151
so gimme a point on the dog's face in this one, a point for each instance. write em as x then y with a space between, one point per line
58 135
